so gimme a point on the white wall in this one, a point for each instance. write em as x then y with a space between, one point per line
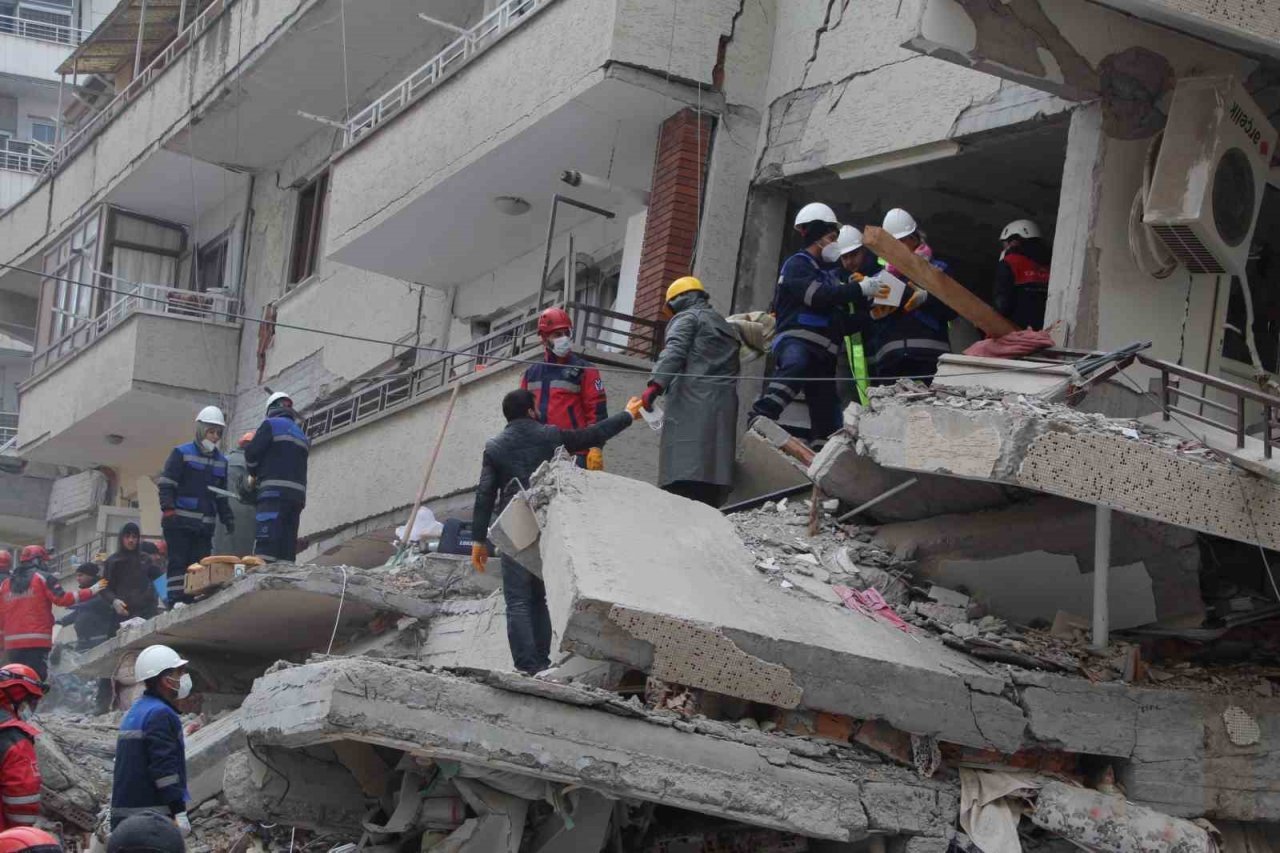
24 57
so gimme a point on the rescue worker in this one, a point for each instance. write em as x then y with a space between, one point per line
130 577
241 541
854 260
146 833
188 509
277 460
21 689
1022 275
808 302
27 598
697 369
150 773
909 338
567 391
95 620
508 462
28 839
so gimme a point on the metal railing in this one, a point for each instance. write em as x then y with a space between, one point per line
475 41
104 116
140 299
594 327
1234 421
8 427
45 31
17 155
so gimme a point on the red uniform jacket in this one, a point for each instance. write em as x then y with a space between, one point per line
27 617
19 772
567 394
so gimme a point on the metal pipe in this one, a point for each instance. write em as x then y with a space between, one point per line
182 16
57 132
453 28
556 199
570 269
1101 575
869 504
137 52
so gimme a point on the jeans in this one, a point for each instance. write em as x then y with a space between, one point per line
276 533
796 365
186 545
528 620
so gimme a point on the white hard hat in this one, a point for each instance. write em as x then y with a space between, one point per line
815 212
849 240
277 397
899 223
1024 228
154 660
211 415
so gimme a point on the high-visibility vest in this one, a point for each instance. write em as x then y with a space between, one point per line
858 366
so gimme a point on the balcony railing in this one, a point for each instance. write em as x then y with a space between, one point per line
8 427
103 117
595 328
18 155
42 30
475 41
141 299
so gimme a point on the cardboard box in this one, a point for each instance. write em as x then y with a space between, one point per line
197 579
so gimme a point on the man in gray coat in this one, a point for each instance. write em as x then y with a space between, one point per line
698 370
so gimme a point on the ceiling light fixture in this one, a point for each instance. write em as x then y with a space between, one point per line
511 205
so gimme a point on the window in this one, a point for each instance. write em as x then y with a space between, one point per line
140 250
211 265
44 130
40 22
307 230
72 261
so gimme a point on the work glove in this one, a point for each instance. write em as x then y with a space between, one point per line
872 288
479 557
99 586
120 607
650 394
634 405
184 823
917 299
595 458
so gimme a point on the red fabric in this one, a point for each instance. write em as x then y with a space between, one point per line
27 619
1025 270
1013 345
869 602
19 777
565 408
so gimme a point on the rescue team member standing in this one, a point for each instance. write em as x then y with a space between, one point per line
1022 276
808 302
697 369
27 598
277 459
188 509
567 391
509 461
150 773
855 260
20 692
130 575
909 339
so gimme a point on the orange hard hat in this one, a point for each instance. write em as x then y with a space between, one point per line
19 675
28 839
554 320
33 552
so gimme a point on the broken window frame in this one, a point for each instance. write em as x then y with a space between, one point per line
218 248
1263 270
70 266
308 228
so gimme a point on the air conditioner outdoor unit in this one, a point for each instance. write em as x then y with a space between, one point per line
1210 175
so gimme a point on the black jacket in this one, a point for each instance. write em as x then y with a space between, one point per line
130 577
517 452
95 622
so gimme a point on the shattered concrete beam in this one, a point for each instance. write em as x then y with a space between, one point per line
594 740
267 616
1073 456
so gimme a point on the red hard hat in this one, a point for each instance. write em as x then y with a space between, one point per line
553 320
28 839
21 676
33 552
6 560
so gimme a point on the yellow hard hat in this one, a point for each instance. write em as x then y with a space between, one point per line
683 285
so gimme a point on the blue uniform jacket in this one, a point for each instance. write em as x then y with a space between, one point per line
277 458
810 301
184 486
151 760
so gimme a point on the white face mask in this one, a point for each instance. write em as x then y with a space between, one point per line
208 445
562 346
184 686
831 253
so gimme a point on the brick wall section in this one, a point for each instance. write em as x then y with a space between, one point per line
671 227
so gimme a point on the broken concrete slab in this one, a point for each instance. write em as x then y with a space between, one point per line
472 636
264 616
563 734
1098 821
842 473
1125 465
435 576
307 788
761 469
207 752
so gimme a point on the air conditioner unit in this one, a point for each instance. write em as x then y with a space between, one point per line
1210 175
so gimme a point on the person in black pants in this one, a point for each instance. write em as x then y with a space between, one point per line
188 509
276 457
95 622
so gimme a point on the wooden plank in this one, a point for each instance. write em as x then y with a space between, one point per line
957 297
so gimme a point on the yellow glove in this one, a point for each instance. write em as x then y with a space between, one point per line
634 406
595 459
917 299
479 557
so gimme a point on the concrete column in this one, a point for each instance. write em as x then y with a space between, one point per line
1101 576
763 229
1074 286
724 204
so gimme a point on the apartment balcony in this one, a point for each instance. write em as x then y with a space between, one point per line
121 389
21 163
35 48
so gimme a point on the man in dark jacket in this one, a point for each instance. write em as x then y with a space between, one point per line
188 509
95 621
1022 276
510 459
697 370
277 460
130 575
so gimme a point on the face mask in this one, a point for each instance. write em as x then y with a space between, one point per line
208 445
831 253
562 346
184 686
